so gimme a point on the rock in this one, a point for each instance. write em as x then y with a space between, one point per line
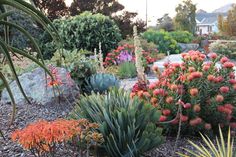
176 58
128 84
188 47
35 87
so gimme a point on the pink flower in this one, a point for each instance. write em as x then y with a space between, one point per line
224 89
224 59
159 92
228 65
206 67
213 55
152 86
187 105
232 81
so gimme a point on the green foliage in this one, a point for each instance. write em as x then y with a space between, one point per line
165 23
18 39
128 126
127 70
226 49
222 149
185 18
146 46
163 41
76 62
66 58
182 36
101 83
84 31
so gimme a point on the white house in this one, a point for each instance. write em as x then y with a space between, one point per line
207 26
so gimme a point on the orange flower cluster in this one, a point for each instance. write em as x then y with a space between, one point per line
44 135
201 88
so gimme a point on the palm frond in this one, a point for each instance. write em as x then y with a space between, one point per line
7 50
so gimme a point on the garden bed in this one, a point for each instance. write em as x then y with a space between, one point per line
36 112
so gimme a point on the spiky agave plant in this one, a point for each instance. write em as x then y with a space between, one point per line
7 50
222 149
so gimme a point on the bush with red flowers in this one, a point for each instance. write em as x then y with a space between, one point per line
126 53
199 94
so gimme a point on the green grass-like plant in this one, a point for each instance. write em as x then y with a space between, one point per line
127 70
222 149
128 125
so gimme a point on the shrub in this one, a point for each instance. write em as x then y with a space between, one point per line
84 31
146 46
66 58
81 70
128 126
127 70
226 49
101 83
204 92
43 137
182 36
163 41
220 48
112 70
79 66
17 38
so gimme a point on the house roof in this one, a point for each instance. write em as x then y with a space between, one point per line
201 16
210 20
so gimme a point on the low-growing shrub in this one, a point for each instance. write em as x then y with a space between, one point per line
101 83
79 66
163 40
84 31
199 94
182 36
112 69
226 49
127 70
220 48
43 138
128 126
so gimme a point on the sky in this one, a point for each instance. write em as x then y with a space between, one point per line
157 8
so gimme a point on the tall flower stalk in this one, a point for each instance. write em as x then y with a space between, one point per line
138 57
100 58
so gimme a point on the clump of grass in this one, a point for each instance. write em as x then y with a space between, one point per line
127 70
